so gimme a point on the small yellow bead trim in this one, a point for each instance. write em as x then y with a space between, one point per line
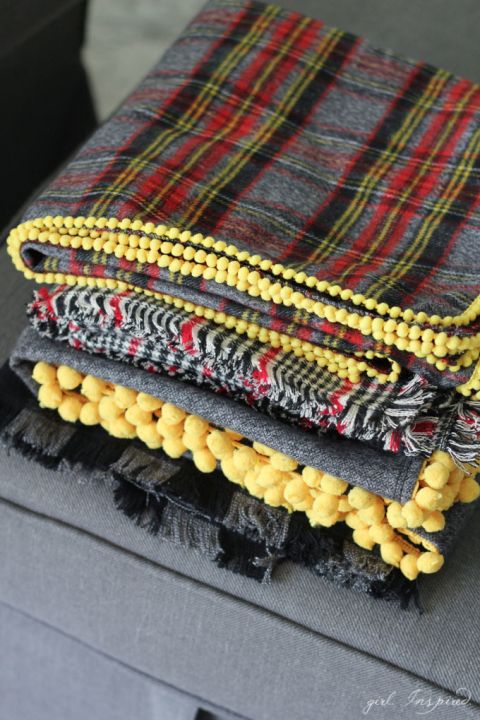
193 254
275 478
347 367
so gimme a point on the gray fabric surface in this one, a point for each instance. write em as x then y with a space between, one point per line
15 292
258 664
53 435
51 676
96 600
69 585
385 474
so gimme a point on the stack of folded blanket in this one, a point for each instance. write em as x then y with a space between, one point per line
259 312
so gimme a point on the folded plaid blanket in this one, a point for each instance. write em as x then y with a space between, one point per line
414 536
391 474
297 187
171 500
284 216
409 416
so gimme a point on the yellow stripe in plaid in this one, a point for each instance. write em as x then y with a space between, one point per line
442 206
243 108
206 95
240 159
380 168
406 194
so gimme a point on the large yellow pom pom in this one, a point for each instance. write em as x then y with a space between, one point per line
436 475
353 521
323 520
343 504
174 447
249 480
148 402
204 460
93 388
469 490
219 444
69 408
235 475
443 457
362 537
274 496
312 476
136 416
297 493
428 498
171 414
108 408
245 458
409 566
325 504
373 514
413 514
150 436
44 374
171 431
283 462
124 397
89 414
381 533
193 441
196 425
391 553
360 498
50 395
269 476
68 378
120 428
434 522
448 496
333 485
430 562
395 516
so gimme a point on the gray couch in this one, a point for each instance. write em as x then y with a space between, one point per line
100 620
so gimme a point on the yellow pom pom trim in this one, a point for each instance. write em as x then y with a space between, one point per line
68 379
69 409
193 254
44 374
124 397
268 474
148 402
50 395
93 388
89 414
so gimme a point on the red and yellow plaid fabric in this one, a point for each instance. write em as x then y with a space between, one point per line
307 148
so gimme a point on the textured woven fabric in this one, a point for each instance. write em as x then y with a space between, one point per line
171 499
307 148
410 416
441 540
391 474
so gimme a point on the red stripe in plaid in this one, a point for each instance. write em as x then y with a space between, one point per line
179 101
228 126
303 250
399 190
216 213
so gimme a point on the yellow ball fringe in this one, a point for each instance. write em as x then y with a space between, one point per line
193 254
268 474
